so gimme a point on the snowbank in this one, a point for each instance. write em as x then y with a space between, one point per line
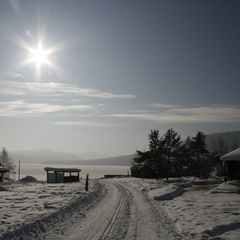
167 192
28 208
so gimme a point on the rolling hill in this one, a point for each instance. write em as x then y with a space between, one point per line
227 140
112 161
41 155
47 156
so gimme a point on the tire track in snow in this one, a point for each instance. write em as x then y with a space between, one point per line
146 222
107 219
118 226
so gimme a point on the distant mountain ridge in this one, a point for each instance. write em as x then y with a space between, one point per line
41 155
49 156
93 155
230 139
111 161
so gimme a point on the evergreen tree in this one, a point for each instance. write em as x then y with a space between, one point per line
172 141
141 157
184 158
154 140
156 151
199 148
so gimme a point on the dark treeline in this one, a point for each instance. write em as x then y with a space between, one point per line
169 156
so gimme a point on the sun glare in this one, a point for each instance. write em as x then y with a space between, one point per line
39 55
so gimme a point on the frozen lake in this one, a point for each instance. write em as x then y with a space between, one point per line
37 170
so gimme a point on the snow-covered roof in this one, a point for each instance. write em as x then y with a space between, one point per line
62 169
231 156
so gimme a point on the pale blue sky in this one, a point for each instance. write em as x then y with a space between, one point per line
117 69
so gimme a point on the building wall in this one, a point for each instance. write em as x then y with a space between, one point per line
233 170
52 177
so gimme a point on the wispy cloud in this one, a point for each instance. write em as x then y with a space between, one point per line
86 124
13 75
21 108
182 114
56 89
163 106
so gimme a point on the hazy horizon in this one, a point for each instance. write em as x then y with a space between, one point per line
90 155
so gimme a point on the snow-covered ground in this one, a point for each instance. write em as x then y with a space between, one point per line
121 208
200 209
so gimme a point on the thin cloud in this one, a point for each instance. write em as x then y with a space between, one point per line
161 105
200 114
56 89
21 108
86 124
13 75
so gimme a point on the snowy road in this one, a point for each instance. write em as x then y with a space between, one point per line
120 208
120 212
106 220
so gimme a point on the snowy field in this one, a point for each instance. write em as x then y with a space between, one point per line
200 209
121 208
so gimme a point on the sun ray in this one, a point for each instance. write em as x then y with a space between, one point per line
38 55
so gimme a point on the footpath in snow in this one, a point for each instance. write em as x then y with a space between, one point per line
121 208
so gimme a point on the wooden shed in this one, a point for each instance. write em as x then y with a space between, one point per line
62 175
142 171
2 171
231 162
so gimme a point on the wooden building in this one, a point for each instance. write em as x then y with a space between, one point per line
62 175
231 163
3 170
141 170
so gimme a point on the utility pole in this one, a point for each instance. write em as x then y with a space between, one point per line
19 171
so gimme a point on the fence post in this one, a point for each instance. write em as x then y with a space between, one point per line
87 177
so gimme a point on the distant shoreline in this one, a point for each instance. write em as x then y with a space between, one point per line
95 171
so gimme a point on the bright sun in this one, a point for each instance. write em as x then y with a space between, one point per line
39 55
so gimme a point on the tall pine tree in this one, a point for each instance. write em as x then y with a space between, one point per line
172 141
199 148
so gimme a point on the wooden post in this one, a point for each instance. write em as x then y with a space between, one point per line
87 177
19 171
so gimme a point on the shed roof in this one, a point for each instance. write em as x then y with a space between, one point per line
232 156
62 169
4 169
